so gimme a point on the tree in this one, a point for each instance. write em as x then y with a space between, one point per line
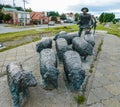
7 17
101 18
28 10
54 18
106 17
19 8
76 16
52 13
1 16
7 6
63 16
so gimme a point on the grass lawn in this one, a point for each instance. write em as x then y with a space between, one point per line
13 36
16 35
112 29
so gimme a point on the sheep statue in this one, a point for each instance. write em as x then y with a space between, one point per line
18 82
82 47
61 47
43 44
68 36
89 37
48 69
73 70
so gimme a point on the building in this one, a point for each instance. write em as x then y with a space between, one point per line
70 16
39 18
17 16
21 17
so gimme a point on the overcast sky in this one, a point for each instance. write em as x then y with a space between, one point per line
96 7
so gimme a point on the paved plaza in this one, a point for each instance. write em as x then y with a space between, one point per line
105 85
105 91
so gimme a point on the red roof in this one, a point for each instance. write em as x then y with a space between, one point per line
37 15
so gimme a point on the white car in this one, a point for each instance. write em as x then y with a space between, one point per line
51 23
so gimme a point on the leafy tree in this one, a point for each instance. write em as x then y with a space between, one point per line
52 13
63 16
19 8
54 18
101 18
28 10
106 17
7 6
76 16
1 16
7 17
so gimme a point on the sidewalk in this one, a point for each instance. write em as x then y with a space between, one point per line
20 54
105 90
39 97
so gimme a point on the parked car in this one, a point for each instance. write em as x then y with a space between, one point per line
68 21
1 45
51 23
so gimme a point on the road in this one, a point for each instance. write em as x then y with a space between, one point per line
4 29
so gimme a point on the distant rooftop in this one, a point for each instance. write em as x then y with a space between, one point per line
9 9
13 10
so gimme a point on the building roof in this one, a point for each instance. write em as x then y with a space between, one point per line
13 10
37 15
9 9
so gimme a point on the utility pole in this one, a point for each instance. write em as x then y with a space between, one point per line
24 1
24 13
13 12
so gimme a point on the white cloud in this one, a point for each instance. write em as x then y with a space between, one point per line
95 6
48 5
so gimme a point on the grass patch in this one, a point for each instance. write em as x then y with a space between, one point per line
98 50
14 46
101 27
80 99
100 47
3 73
13 36
113 29
18 35
91 68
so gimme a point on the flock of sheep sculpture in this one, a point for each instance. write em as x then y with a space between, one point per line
19 80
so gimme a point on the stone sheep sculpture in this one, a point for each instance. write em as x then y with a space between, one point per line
61 47
73 70
90 39
82 47
68 36
43 44
60 33
19 81
48 69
